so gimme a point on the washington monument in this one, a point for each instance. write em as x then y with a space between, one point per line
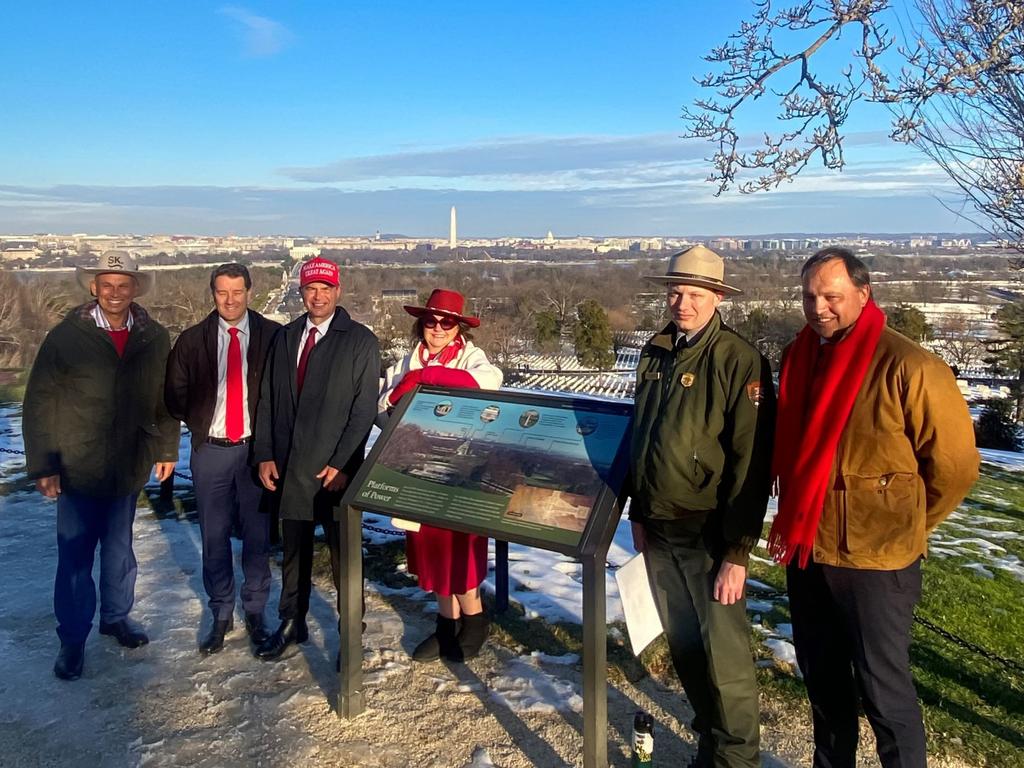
452 232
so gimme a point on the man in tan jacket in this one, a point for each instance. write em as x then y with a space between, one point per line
874 448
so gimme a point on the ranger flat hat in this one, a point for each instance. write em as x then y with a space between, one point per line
699 266
120 262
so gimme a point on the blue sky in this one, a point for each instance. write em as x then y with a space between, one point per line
346 118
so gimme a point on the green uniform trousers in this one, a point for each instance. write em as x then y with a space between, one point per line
709 642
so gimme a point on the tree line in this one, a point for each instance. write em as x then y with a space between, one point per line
556 309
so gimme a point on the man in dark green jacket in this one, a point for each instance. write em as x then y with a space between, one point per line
701 461
95 424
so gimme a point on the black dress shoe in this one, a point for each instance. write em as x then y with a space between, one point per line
256 628
126 632
290 631
70 660
214 641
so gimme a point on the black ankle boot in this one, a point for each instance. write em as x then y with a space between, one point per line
256 628
214 641
473 635
70 661
439 644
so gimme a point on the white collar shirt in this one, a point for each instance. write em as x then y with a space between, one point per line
321 329
218 425
101 320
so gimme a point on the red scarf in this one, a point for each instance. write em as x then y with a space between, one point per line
443 357
816 396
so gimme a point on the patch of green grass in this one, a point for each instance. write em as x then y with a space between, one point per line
12 385
973 706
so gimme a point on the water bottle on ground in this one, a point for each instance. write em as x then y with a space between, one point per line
643 740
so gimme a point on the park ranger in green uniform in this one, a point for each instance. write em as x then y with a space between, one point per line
701 461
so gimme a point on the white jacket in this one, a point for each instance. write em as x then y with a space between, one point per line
471 359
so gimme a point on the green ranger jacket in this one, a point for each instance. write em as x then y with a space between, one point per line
702 437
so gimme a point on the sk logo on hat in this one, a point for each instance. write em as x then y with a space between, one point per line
687 379
114 262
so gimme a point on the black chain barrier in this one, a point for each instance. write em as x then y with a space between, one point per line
1002 661
1016 666
386 531
1011 664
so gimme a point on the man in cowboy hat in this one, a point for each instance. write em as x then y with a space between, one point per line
95 424
701 458
317 403
877 450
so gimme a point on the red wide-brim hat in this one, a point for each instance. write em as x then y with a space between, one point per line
442 302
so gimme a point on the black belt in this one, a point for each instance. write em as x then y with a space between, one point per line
223 442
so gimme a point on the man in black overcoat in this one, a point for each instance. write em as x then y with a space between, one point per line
318 402
213 384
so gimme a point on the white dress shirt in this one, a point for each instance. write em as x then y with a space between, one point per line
217 428
321 329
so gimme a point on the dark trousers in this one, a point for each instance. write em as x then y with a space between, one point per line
709 643
226 486
82 523
851 628
297 568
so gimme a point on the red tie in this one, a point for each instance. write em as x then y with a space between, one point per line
300 374
233 420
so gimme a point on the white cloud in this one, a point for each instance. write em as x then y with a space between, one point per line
261 36
588 163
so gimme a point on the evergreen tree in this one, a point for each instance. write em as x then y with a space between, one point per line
996 428
547 330
1007 352
593 336
910 321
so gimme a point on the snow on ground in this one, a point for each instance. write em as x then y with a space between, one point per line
166 705
1007 459
526 687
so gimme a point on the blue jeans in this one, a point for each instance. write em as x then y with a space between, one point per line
82 523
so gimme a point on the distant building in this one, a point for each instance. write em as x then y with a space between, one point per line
453 231
388 306
303 252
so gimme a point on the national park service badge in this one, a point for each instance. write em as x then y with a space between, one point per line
754 393
687 379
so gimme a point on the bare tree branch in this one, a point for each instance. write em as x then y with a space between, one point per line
957 93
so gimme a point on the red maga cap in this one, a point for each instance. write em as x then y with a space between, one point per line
318 270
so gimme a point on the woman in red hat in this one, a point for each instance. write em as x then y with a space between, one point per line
448 563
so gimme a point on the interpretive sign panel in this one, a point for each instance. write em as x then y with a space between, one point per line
540 470
520 467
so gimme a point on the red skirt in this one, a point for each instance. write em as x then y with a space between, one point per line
446 562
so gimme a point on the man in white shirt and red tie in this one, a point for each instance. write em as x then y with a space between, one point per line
212 384
318 402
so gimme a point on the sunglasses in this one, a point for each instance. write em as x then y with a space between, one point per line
446 323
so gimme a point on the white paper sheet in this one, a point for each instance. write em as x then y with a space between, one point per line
642 620
405 525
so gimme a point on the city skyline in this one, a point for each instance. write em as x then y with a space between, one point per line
258 119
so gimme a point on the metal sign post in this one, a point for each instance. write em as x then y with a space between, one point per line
350 609
595 664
